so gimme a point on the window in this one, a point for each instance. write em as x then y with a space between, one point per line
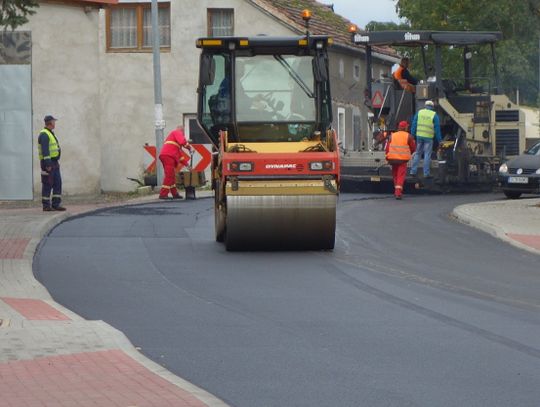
356 70
129 27
220 22
341 125
289 96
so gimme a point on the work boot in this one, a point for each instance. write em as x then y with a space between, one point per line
399 197
58 208
47 209
163 197
177 197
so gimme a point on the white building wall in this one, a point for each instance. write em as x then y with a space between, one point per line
127 92
65 78
105 100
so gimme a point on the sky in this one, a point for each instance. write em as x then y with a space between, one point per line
362 12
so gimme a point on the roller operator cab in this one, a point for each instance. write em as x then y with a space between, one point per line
480 126
265 104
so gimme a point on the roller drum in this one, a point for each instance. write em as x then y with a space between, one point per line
283 222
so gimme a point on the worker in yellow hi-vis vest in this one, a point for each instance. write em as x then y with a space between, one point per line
49 156
425 127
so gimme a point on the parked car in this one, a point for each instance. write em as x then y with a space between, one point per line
521 175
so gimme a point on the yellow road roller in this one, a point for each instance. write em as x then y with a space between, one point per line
265 104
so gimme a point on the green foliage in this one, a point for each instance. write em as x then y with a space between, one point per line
13 13
386 26
518 20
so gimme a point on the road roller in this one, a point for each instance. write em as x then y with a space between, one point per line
265 104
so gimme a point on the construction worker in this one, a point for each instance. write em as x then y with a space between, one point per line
403 76
49 154
170 155
425 127
399 148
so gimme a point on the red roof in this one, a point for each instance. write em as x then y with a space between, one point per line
324 20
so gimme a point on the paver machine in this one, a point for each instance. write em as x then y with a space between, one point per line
265 104
480 126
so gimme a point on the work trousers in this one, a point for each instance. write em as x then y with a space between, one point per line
51 182
169 179
399 171
423 147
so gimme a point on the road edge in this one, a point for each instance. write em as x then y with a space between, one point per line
121 339
461 215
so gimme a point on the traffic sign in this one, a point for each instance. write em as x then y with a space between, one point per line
152 161
377 99
205 156
202 157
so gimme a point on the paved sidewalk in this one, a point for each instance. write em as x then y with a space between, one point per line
50 356
514 221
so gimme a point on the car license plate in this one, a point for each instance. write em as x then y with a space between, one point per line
518 180
375 179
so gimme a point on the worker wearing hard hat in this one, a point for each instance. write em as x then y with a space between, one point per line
170 156
425 127
404 77
399 148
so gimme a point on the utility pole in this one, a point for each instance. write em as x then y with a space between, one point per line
159 123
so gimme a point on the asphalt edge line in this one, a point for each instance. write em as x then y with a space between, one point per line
460 213
123 341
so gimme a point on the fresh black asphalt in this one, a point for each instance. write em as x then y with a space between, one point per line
411 309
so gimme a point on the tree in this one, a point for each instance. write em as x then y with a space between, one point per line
519 21
13 13
386 26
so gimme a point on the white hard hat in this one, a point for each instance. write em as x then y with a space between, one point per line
429 103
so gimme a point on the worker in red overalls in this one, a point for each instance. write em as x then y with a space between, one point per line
170 155
399 149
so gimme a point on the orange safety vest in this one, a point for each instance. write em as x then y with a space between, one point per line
399 149
405 85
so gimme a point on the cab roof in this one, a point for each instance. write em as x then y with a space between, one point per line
263 43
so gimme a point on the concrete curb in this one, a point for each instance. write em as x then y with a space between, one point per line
121 340
462 215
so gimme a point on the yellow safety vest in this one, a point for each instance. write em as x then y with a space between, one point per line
54 147
424 124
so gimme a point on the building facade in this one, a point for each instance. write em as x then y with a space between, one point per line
92 68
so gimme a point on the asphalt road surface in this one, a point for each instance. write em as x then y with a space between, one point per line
411 309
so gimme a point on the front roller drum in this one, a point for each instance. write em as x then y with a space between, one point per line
288 222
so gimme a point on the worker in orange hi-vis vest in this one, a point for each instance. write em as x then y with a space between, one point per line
399 149
404 77
170 155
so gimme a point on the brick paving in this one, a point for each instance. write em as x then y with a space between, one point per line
35 310
13 248
107 379
529 240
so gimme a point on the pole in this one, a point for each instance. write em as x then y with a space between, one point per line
159 123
